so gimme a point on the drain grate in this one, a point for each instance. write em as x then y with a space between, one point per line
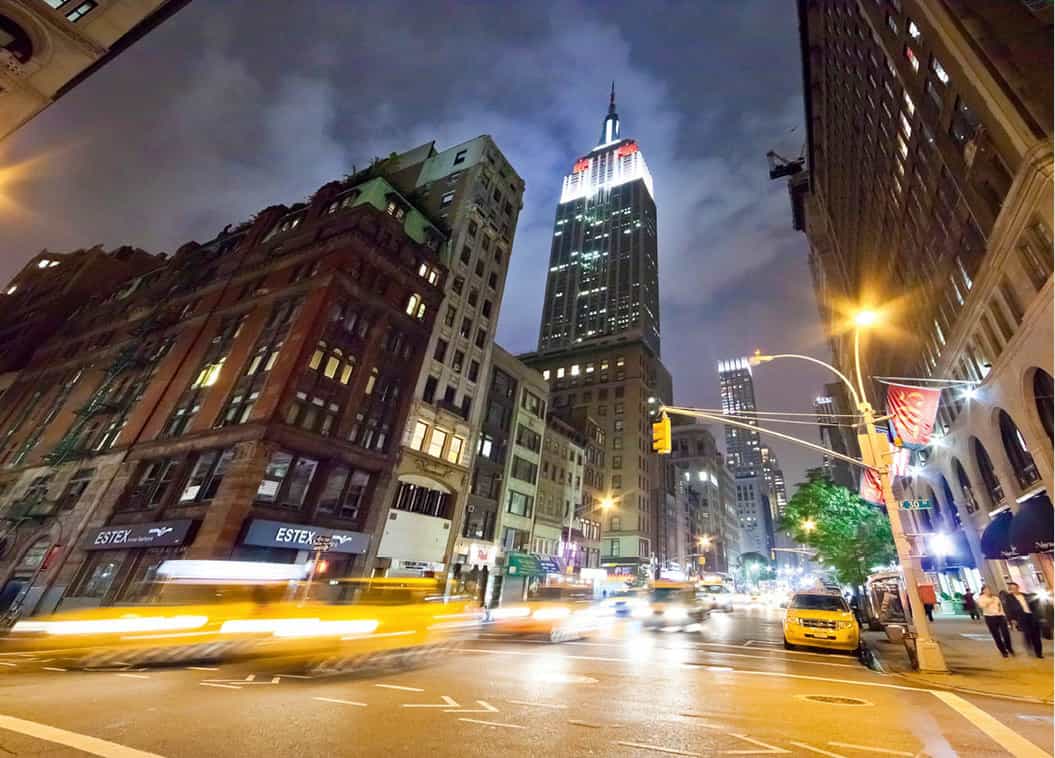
833 700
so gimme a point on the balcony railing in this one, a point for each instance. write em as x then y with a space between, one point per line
31 508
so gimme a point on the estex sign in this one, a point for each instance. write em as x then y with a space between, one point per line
265 533
155 534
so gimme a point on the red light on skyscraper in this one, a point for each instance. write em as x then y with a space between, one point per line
628 149
581 165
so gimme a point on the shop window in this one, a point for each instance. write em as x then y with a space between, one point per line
100 573
75 488
344 491
286 480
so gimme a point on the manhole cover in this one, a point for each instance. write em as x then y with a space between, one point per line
833 700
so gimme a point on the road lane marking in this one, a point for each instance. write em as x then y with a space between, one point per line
134 676
657 748
486 708
338 700
737 655
217 684
492 723
587 724
1004 736
817 750
399 687
868 749
536 705
203 668
769 749
52 668
74 740
448 702
5 663
745 672
704 724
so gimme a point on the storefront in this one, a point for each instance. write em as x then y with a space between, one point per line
283 542
1021 543
123 560
474 569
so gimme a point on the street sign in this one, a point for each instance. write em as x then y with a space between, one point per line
916 505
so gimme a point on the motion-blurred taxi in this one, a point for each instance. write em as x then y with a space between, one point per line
673 605
554 613
822 620
715 597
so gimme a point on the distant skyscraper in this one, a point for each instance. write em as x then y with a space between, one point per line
773 476
742 446
603 277
744 455
834 434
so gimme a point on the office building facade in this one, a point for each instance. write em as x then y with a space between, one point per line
929 172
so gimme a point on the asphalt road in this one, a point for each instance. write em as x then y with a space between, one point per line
728 688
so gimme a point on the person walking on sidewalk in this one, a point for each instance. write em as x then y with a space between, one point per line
969 605
993 613
1020 611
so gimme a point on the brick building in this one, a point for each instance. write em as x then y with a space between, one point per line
211 405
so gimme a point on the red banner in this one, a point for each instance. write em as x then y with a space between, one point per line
913 410
870 490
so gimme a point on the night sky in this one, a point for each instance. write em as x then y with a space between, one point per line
233 106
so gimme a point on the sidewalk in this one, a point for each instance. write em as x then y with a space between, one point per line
975 665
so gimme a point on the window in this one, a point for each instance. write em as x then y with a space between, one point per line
481 338
474 297
466 255
528 438
474 371
458 361
75 487
286 480
617 482
452 313
206 476
447 199
100 574
440 353
939 70
1038 262
429 393
613 547
524 470
964 123
910 55
913 30
492 280
467 328
342 495
395 209
532 404
415 307
454 452
486 310
437 443
82 10
1014 305
519 504
417 440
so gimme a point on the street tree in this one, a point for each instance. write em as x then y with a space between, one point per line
847 533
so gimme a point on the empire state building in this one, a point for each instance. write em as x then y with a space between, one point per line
603 279
599 347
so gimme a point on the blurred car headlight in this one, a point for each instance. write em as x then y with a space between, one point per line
549 614
122 625
299 627
845 624
792 620
676 613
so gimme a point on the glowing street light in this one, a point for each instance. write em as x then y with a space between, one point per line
809 525
705 541
866 318
607 504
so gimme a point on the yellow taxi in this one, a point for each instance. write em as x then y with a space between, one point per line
821 620
673 605
223 610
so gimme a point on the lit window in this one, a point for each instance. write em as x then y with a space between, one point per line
447 198
332 364
412 304
12 289
81 11
939 71
418 439
906 127
909 105
913 30
436 443
43 263
546 374
454 452
589 368
575 371
560 373
912 59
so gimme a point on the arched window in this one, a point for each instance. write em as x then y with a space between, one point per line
947 491
1017 453
14 40
965 484
985 468
1043 390
615 524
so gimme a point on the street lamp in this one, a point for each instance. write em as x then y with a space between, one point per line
874 449
809 525
607 504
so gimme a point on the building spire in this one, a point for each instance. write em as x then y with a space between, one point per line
610 127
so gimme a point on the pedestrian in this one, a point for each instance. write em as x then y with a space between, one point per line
928 608
1020 610
993 613
969 605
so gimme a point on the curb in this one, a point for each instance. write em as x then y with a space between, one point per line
931 684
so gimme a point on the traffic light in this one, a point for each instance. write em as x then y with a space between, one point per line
661 435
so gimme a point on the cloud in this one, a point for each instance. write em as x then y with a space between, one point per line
233 106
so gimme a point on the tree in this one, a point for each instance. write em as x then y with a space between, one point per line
848 534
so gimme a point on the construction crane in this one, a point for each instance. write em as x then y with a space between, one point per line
779 166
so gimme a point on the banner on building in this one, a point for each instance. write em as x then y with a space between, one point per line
912 411
871 490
